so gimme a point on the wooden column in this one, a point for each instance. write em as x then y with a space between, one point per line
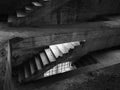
8 84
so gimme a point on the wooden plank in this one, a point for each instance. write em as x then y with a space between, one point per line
44 59
32 67
56 51
50 55
62 48
69 46
38 63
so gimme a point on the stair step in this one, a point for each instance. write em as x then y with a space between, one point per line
67 49
56 51
20 75
62 48
44 59
28 8
50 55
37 4
26 71
75 43
21 14
32 67
69 45
38 63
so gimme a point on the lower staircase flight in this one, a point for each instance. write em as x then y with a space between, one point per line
41 63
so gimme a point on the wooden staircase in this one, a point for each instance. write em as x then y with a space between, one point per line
35 67
37 8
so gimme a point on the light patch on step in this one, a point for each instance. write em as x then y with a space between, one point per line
20 14
60 68
28 8
65 47
37 4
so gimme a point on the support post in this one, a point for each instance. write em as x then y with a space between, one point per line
8 84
